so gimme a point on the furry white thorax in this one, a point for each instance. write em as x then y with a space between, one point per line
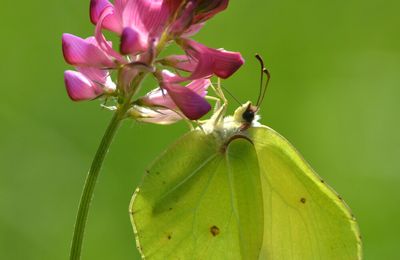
224 127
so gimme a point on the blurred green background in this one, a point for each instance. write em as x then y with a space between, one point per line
335 94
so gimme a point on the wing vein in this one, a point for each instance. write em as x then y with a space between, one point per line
189 176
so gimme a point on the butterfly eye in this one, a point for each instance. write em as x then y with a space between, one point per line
248 115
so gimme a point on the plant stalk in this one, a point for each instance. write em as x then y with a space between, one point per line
91 179
90 183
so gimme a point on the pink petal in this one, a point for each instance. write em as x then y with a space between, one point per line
185 19
192 105
84 52
211 61
190 99
168 76
96 8
163 117
112 22
80 87
159 116
94 74
99 77
131 15
226 63
101 41
149 17
132 42
161 98
173 5
192 30
158 98
181 62
199 86
208 8
157 17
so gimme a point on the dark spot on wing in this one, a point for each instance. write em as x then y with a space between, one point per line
303 200
214 230
147 171
322 181
169 236
170 209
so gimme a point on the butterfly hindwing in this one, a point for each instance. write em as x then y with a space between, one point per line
303 217
201 200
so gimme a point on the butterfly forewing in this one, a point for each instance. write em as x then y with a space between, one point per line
201 200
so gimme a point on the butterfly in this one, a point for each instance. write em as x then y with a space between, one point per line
237 189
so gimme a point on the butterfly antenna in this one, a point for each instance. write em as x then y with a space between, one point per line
263 88
230 94
260 60
266 72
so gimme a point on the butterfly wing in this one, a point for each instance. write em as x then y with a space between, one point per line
200 200
303 217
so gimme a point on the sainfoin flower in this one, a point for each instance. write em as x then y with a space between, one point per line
172 98
203 61
144 29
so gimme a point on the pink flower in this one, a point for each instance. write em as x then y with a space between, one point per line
190 100
204 62
87 83
141 25
92 79
85 52
154 116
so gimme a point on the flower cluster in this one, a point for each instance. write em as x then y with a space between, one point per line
144 29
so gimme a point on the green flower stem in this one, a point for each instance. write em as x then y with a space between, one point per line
90 183
94 170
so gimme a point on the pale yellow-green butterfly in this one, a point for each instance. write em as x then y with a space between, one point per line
236 189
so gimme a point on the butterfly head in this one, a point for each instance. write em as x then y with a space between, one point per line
244 117
246 113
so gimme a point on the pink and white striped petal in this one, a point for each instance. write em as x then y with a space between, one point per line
159 116
79 87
